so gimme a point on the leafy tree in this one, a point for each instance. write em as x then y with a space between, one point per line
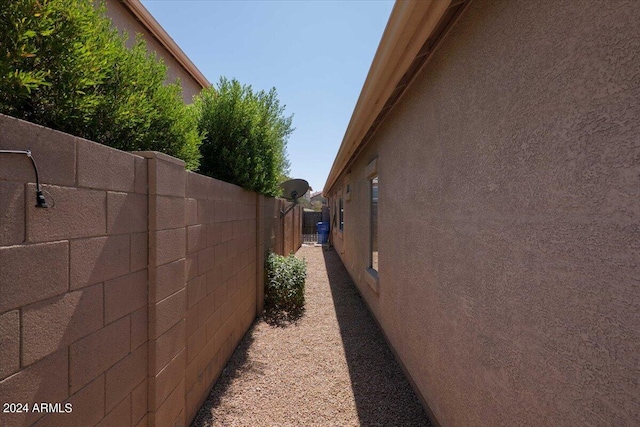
62 65
246 135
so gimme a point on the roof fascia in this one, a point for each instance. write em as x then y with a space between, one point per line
411 26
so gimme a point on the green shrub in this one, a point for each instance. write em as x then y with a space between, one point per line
63 66
284 288
245 136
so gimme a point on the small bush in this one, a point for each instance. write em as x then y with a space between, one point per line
246 134
284 288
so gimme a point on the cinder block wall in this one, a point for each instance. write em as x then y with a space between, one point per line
73 279
221 279
127 297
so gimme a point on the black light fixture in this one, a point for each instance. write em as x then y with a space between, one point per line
40 200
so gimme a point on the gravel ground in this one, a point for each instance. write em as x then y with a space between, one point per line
331 367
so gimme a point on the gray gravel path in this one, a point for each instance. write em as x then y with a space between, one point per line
330 368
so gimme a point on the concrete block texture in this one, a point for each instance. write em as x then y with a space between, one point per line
137 268
94 354
9 343
165 381
168 312
119 416
124 295
142 179
205 308
166 174
170 410
207 211
53 151
191 266
144 422
125 376
191 321
191 211
166 347
170 212
139 327
206 259
87 407
170 179
44 381
170 278
196 342
199 186
170 245
105 168
33 273
195 395
139 251
50 325
12 208
97 259
139 402
196 238
126 213
221 210
196 290
73 212
191 375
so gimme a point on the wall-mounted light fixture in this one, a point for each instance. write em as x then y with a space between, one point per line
40 200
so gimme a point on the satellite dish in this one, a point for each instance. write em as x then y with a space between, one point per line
294 189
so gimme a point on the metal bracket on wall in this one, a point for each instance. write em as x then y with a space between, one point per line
286 211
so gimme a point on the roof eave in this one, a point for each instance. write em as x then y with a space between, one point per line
410 37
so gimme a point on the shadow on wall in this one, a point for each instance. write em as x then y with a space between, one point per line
235 367
95 325
382 394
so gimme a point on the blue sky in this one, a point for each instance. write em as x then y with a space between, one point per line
315 53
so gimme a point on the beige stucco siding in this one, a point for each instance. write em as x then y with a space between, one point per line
125 21
509 212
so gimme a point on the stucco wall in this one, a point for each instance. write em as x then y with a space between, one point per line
129 294
509 218
125 21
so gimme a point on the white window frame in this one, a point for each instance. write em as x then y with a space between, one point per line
372 275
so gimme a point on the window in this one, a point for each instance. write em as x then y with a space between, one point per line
341 213
374 222
372 277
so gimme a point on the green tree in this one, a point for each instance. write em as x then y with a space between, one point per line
246 136
62 65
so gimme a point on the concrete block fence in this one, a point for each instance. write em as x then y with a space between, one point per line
127 296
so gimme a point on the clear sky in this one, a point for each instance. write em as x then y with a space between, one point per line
315 53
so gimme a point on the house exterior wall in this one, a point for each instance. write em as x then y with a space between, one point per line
127 296
508 218
125 21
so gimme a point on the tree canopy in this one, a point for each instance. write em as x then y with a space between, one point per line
245 136
63 66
